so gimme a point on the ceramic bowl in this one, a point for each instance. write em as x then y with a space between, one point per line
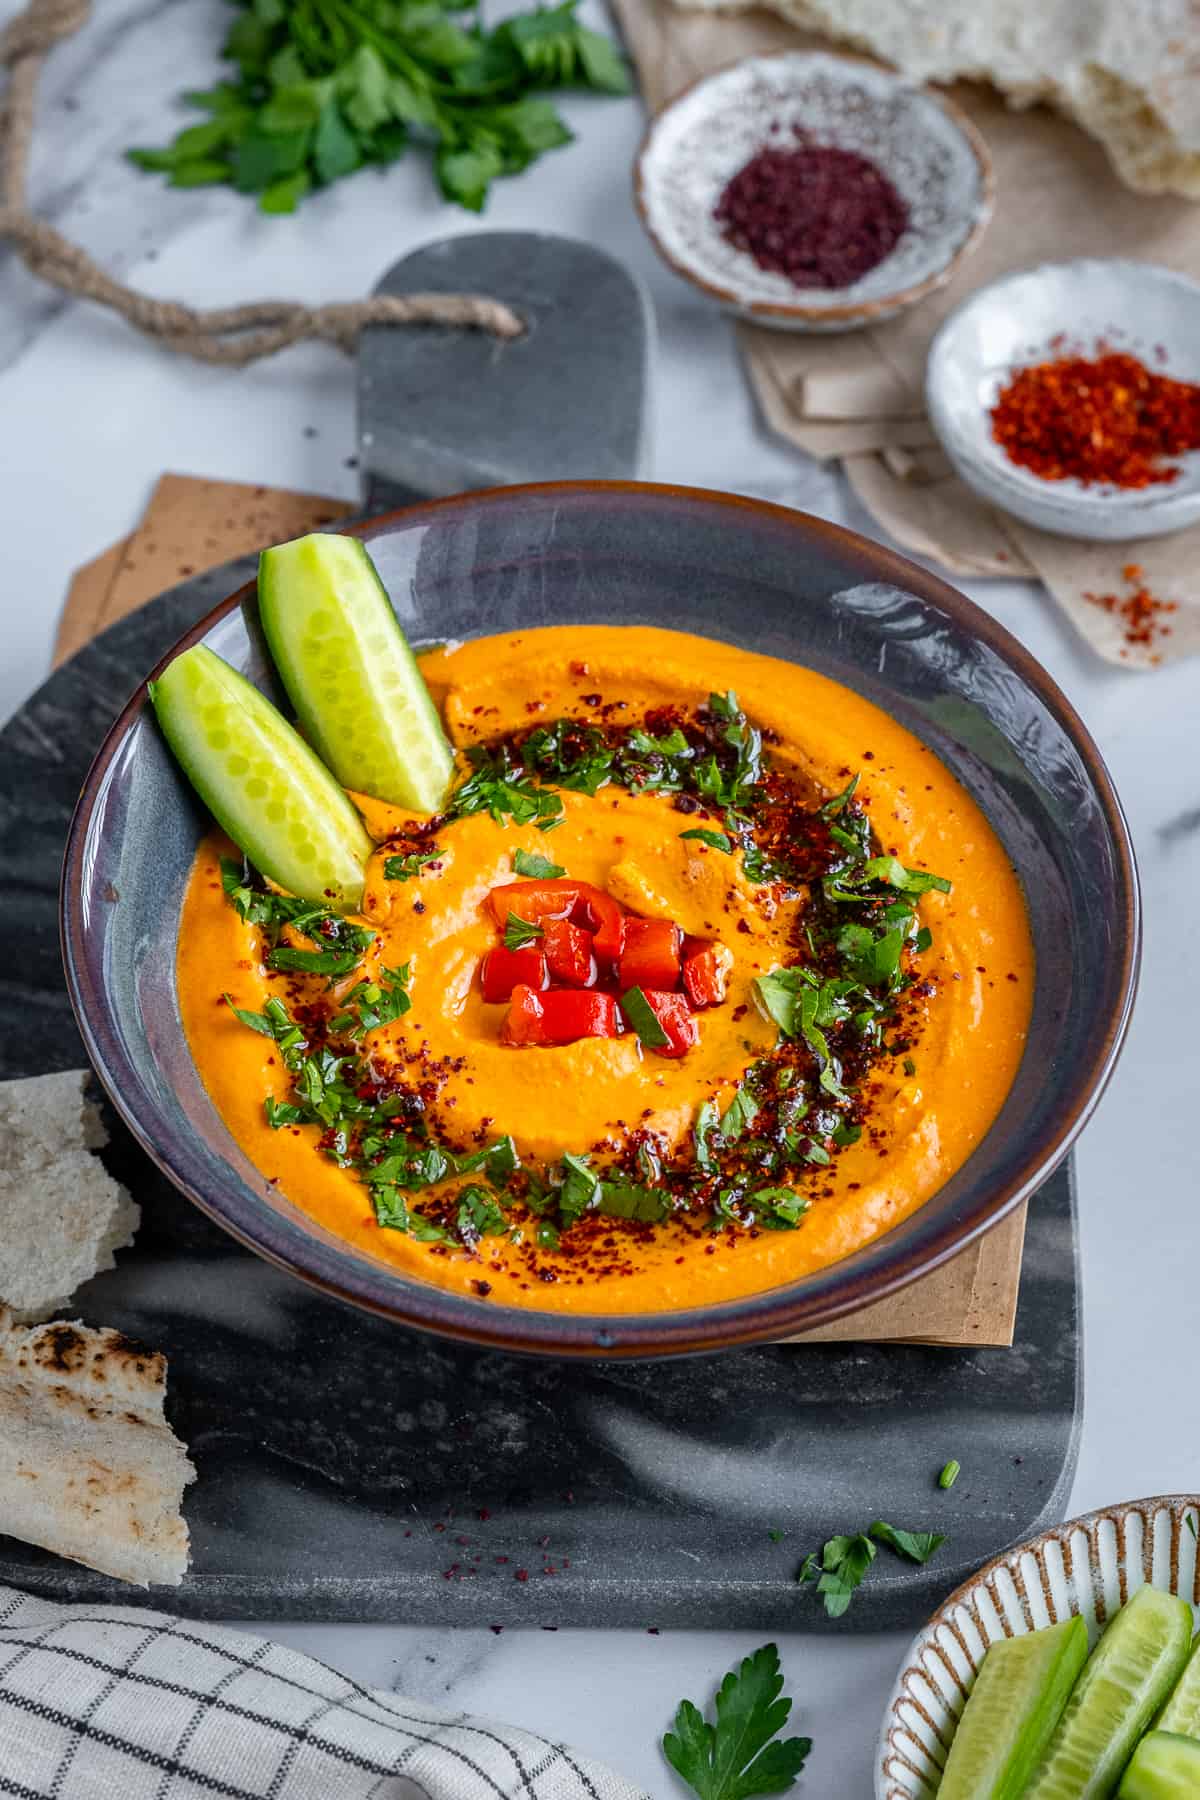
932 152
751 574
1090 1566
1135 306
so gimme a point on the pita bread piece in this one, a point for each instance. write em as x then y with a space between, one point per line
1128 71
62 1216
89 1467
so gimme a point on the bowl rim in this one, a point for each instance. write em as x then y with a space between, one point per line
1152 510
1177 1505
769 1316
862 312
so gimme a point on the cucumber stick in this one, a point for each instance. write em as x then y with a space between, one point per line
1126 1679
349 672
261 781
1165 1766
1016 1702
1181 1714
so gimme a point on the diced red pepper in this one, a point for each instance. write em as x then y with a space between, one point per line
503 970
650 958
561 1016
534 900
523 1020
568 950
706 971
675 1017
604 919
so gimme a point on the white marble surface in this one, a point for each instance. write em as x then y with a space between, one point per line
89 416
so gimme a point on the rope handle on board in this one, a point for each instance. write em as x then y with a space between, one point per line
229 335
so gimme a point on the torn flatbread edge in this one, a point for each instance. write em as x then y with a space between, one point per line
89 1466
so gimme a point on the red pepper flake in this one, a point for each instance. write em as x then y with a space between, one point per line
1104 419
1140 612
820 216
521 1575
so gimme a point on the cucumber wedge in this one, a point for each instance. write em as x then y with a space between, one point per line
349 672
1127 1677
1016 1702
1165 1766
261 781
1181 1714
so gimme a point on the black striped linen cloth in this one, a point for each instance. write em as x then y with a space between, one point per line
117 1703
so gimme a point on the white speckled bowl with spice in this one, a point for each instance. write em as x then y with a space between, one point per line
930 150
1060 309
1089 1566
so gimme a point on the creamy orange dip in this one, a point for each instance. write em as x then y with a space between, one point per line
925 1105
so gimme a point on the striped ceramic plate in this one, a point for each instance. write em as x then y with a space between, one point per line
1089 1566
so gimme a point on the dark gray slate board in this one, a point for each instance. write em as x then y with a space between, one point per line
351 1470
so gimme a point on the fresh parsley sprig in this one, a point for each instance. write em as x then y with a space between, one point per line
326 87
740 1753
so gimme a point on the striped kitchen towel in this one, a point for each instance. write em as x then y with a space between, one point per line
116 1703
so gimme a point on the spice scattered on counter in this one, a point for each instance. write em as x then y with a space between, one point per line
1139 611
821 216
1105 419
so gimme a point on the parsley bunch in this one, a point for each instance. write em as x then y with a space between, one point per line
326 87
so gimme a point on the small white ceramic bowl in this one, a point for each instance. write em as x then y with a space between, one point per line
1134 306
930 149
1089 1566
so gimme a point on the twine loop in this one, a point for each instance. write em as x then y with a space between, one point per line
229 335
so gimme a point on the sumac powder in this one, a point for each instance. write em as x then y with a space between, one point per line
821 216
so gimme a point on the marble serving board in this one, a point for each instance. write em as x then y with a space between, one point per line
349 1469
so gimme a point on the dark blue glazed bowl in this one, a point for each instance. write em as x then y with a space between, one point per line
756 575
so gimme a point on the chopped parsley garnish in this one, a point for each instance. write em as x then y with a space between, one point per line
373 1003
479 1215
518 932
632 1200
740 1114
916 1546
643 1018
805 1006
580 1188
708 1118
341 945
409 866
741 1752
843 1561
716 840
779 1209
537 868
839 1570
497 785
